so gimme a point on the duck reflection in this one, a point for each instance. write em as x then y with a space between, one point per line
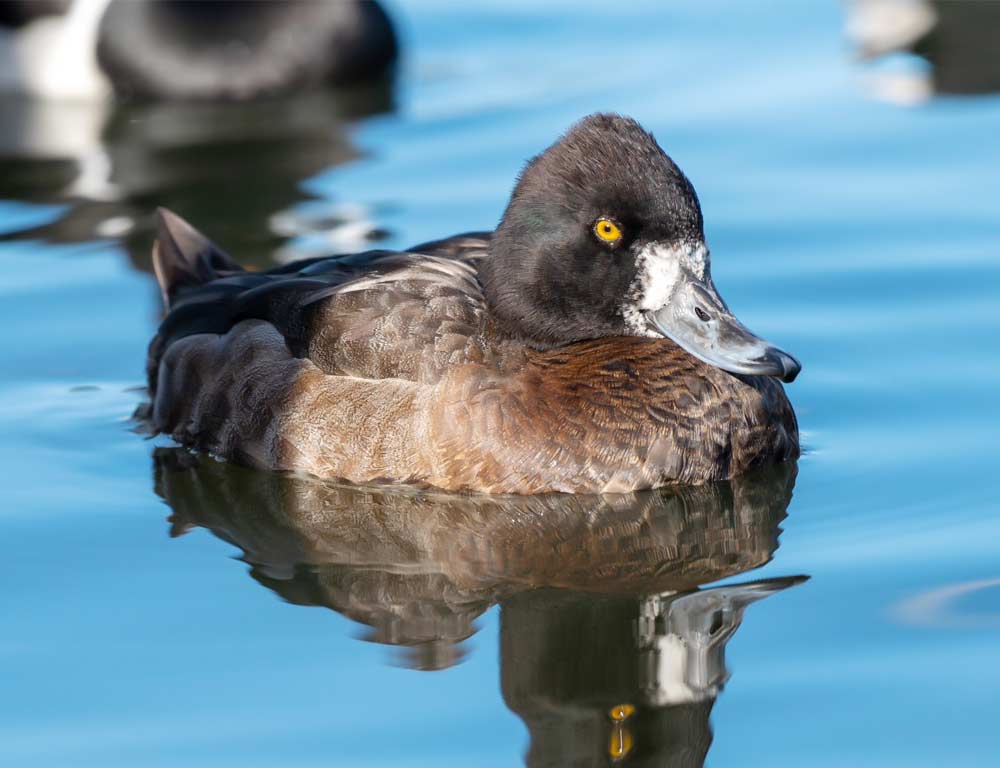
630 679
609 651
240 166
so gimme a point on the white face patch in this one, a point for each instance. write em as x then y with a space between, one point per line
658 270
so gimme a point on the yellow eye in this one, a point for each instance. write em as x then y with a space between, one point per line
621 712
607 230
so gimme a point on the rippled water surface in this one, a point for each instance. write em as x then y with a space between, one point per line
862 235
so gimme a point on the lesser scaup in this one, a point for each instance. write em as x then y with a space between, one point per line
581 347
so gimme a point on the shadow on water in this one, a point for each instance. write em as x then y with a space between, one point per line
609 651
239 166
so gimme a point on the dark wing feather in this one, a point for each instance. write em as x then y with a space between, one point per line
378 314
183 257
411 322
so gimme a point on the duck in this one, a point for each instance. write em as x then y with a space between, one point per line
580 347
168 50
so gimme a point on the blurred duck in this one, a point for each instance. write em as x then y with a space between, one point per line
581 347
169 49
957 40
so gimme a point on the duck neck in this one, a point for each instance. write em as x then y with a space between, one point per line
538 309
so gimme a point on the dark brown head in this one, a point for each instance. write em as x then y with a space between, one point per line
604 236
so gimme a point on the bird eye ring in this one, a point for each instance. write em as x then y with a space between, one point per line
607 231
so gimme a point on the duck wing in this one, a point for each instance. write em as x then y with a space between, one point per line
379 314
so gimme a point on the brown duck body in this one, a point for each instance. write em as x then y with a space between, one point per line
391 367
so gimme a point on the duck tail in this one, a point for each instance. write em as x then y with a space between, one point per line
183 257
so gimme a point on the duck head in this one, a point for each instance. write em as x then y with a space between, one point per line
604 236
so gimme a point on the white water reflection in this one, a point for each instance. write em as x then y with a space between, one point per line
946 606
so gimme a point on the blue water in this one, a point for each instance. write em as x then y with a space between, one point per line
861 235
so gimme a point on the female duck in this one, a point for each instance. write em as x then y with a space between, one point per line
581 347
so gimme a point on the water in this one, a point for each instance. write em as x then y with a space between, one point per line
861 235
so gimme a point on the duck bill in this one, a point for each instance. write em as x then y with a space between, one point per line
699 321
